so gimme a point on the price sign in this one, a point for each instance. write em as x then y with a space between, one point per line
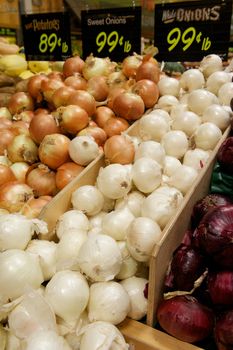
113 33
46 36
188 31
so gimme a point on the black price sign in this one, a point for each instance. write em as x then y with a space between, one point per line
46 36
188 31
113 33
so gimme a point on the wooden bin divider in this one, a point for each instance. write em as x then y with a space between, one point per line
174 232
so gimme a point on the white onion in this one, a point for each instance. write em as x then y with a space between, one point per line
170 165
133 201
177 110
207 136
116 222
46 340
217 115
183 178
83 149
16 230
153 127
142 234
100 258
68 249
196 158
129 264
187 122
108 302
102 335
162 204
135 287
175 143
71 220
150 149
71 330
225 94
210 64
32 314
146 174
88 199
162 113
67 292
168 86
200 99
216 80
192 79
114 181
109 203
166 102
46 252
96 220
18 271
13 342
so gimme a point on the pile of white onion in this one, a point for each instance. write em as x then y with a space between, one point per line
72 292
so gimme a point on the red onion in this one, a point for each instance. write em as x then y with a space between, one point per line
187 239
187 265
202 206
225 155
214 235
185 318
220 285
224 331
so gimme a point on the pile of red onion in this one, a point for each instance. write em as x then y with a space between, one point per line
198 293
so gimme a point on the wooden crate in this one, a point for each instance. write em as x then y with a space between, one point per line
141 336
174 233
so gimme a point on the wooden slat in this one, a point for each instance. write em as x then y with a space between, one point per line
142 337
61 202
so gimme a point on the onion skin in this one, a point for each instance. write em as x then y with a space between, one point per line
214 235
148 70
19 102
185 318
148 90
66 173
119 149
225 155
41 125
33 206
41 179
220 286
13 195
223 331
6 174
115 126
34 86
128 105
102 114
72 118
187 265
84 100
206 203
53 150
72 65
96 132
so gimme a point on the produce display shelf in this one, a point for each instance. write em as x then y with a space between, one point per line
143 336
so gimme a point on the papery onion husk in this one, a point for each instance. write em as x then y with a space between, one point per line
187 265
214 235
206 203
185 318
225 155
220 286
224 331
